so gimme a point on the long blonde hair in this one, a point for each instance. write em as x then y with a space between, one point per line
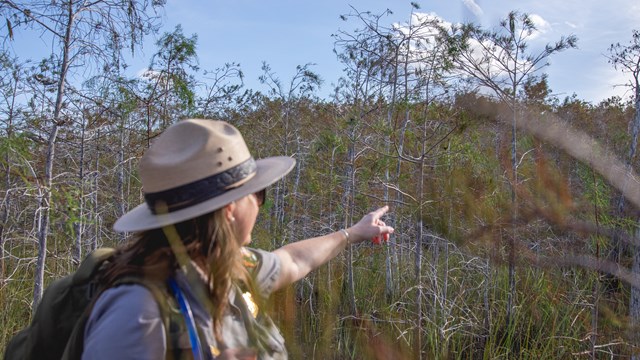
210 243
225 265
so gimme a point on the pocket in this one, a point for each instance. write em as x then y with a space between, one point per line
270 337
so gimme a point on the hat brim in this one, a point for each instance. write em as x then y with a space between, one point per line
269 170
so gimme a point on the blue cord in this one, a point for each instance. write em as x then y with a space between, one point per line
188 316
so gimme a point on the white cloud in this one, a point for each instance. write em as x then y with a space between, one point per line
421 34
541 24
425 18
142 73
495 60
148 74
474 8
422 25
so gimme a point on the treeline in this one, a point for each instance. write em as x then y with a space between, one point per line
515 211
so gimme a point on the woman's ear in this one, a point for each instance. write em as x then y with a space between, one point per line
229 209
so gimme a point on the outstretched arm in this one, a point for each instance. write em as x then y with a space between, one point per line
301 257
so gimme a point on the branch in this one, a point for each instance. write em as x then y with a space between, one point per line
394 187
29 14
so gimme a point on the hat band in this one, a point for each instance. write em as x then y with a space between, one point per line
194 193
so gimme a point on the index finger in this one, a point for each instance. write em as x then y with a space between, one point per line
380 211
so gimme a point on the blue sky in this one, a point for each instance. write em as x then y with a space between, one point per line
287 33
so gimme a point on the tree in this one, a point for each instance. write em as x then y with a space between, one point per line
372 56
11 88
289 99
78 30
498 61
398 73
626 58
169 87
362 56
222 91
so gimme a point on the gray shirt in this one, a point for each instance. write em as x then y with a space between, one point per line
126 323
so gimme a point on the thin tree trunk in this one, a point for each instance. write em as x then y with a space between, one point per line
44 200
332 215
281 185
78 225
7 197
120 185
419 292
420 227
292 227
392 263
596 285
634 300
486 305
97 223
511 294
6 205
348 200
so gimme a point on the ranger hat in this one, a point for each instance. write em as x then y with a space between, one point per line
197 166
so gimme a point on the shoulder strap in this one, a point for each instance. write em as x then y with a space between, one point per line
172 320
84 275
192 329
91 265
75 344
174 323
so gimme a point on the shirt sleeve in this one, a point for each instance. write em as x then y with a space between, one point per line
125 323
267 270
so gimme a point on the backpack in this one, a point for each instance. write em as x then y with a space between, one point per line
57 328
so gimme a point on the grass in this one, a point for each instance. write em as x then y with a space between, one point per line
552 318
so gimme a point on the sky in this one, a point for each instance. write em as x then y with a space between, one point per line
287 33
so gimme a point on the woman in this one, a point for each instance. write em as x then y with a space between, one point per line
202 194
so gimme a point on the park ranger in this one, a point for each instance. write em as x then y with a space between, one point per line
202 191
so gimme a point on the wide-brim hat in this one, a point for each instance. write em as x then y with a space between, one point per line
197 166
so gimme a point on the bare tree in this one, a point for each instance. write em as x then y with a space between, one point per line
357 90
11 88
168 91
498 61
626 58
78 30
289 98
222 90
403 65
371 55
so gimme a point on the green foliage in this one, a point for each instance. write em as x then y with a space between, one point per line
595 192
466 198
443 162
17 146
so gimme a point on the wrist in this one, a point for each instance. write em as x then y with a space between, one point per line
347 236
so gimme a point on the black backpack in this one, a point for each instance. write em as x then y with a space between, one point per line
57 328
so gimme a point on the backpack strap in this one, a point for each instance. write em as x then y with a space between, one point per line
91 265
192 329
84 275
75 344
174 323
